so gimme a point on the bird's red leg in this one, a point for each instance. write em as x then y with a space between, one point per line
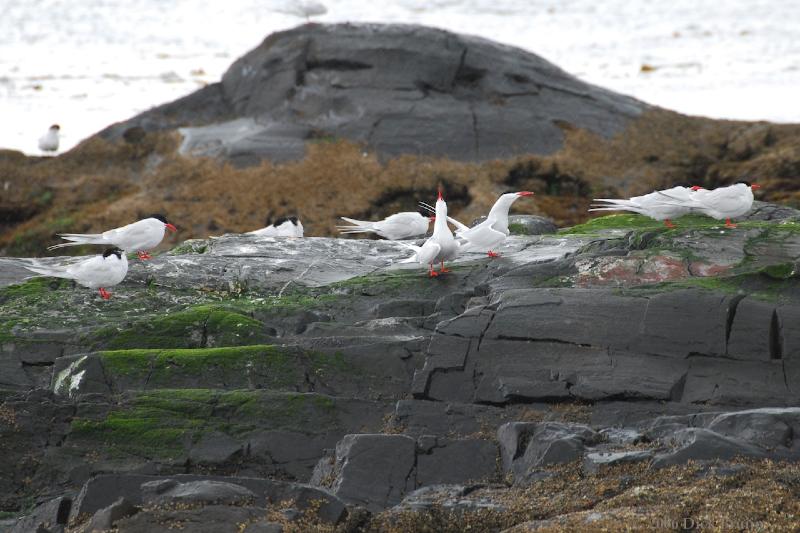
492 254
729 224
432 273
144 256
668 223
443 269
105 294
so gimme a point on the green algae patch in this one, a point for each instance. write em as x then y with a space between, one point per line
633 221
388 283
608 222
517 229
33 287
190 247
164 424
758 285
243 367
780 271
195 327
290 303
260 365
153 425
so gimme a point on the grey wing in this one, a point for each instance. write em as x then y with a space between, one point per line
429 251
130 236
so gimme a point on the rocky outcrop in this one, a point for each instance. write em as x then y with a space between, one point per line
397 89
366 120
242 379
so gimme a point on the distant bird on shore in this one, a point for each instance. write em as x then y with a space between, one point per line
97 272
722 203
49 141
658 205
303 8
281 227
394 227
138 237
490 233
440 247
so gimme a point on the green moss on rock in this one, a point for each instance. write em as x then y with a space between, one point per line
517 229
633 221
164 423
195 327
32 287
191 246
259 366
780 271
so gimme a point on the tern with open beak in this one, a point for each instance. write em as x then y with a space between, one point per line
490 233
439 247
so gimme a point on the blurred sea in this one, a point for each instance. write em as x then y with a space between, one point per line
87 63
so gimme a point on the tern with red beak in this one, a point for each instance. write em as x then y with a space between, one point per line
659 205
137 237
97 272
490 233
394 227
440 247
722 203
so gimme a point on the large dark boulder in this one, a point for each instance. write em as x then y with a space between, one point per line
400 89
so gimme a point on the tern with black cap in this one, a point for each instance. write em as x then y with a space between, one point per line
97 272
139 237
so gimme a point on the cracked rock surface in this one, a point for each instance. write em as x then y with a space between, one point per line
242 379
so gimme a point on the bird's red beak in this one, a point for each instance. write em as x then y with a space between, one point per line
171 227
755 186
440 194
525 193
696 187
433 218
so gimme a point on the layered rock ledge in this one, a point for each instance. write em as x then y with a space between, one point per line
616 370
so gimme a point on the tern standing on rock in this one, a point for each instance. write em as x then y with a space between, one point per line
440 247
137 237
722 203
659 205
98 272
394 227
490 233
49 141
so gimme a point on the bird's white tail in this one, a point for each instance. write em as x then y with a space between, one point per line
359 226
48 271
615 205
76 239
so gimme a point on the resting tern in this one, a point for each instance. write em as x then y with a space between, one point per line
394 227
439 247
658 205
282 227
492 231
721 203
137 237
49 141
97 272
303 8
